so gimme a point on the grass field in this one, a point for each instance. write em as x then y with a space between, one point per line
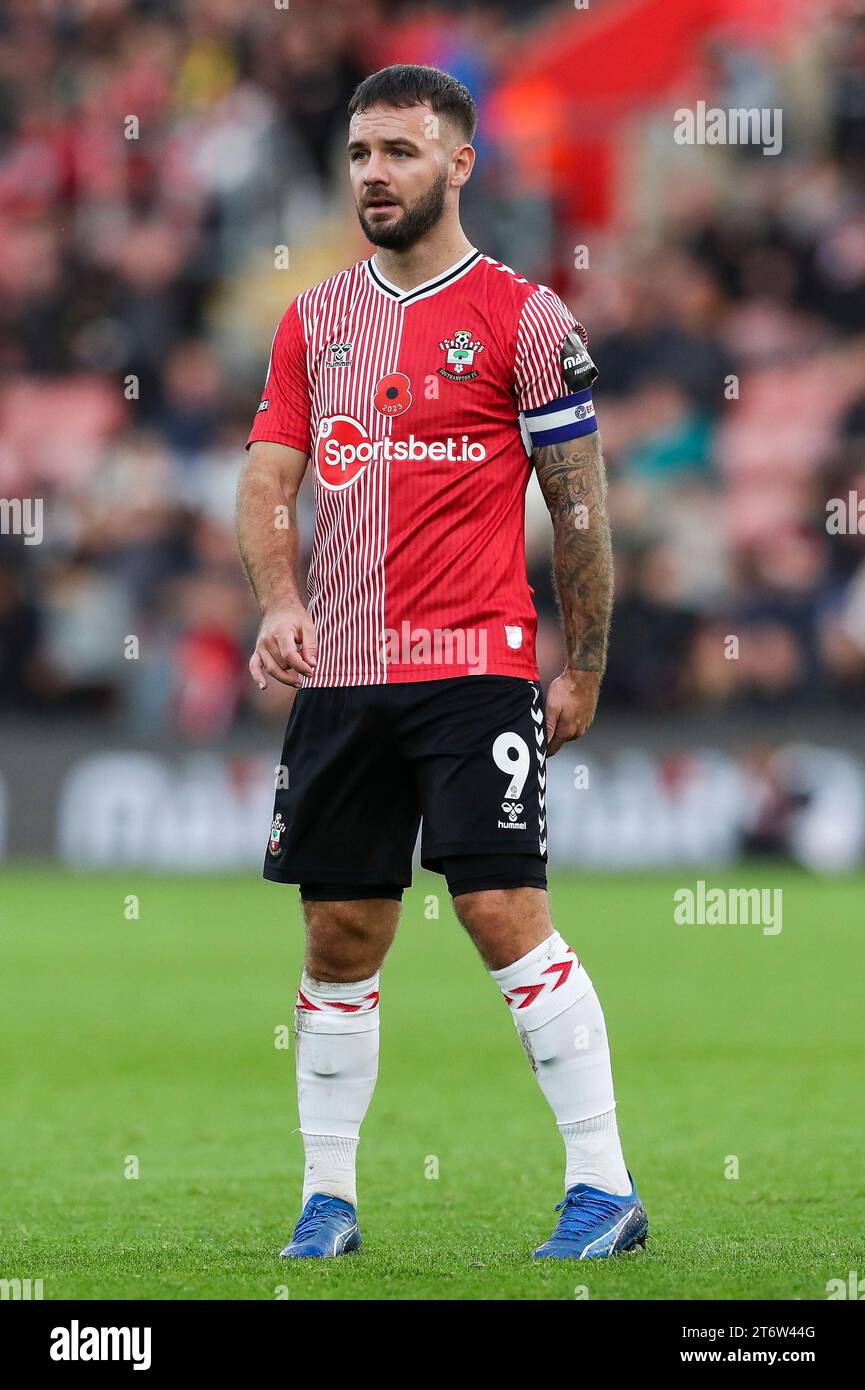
155 1038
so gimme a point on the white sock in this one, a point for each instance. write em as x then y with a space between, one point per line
593 1154
561 1027
337 1032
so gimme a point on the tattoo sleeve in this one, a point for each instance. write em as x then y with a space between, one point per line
573 481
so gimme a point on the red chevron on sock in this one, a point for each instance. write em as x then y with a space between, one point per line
354 1008
530 991
564 969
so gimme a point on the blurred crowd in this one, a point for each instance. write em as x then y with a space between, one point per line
171 174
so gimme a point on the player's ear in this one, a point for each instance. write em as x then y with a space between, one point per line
463 162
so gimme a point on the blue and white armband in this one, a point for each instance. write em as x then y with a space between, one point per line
566 418
570 415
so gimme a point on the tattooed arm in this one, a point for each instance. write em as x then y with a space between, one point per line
573 481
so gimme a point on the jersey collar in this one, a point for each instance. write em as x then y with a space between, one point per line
438 282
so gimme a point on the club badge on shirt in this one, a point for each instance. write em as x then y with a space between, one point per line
460 349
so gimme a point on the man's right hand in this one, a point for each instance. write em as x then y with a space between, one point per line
285 648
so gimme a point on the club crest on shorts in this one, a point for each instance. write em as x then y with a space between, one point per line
460 349
277 829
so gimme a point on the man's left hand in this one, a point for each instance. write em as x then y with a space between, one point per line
571 703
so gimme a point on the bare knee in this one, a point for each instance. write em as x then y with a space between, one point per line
348 940
505 923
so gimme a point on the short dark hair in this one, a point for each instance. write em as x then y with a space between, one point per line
407 84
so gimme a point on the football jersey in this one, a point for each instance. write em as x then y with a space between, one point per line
418 410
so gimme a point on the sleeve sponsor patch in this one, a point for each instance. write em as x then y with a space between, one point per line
578 369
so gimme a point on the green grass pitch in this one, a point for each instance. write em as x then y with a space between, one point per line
155 1038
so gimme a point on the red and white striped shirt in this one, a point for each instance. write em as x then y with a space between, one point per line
418 409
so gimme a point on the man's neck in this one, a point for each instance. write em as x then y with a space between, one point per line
421 262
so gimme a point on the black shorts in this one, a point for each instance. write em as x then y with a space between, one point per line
361 765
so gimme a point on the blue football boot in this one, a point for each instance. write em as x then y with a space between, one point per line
327 1226
595 1224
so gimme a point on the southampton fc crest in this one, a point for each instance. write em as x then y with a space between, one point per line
460 349
276 832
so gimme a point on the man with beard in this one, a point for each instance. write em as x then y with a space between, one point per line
424 383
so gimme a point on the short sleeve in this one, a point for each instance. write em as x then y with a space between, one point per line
551 355
283 413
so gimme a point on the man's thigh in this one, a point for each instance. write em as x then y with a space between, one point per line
348 813
478 744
